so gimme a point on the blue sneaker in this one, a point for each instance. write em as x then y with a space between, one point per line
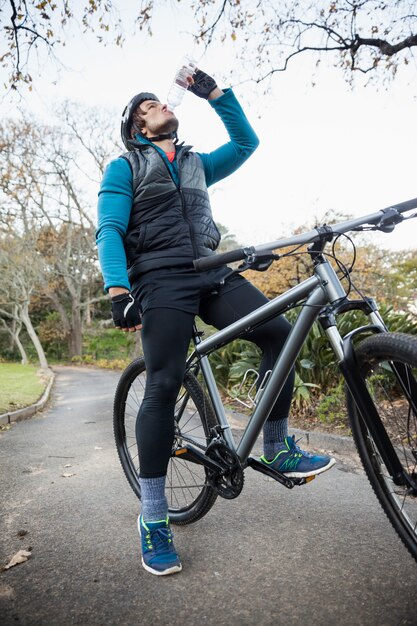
158 552
296 463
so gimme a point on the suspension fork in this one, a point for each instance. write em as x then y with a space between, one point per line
349 367
362 398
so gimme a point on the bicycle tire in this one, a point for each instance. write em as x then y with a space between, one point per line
376 356
189 495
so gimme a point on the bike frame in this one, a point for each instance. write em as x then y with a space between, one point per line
324 288
322 297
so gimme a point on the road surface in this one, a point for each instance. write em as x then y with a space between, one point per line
321 554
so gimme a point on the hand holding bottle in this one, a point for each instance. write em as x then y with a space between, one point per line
202 84
190 78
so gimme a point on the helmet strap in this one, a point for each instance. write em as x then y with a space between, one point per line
172 136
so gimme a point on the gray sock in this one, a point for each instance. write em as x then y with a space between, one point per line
274 432
154 502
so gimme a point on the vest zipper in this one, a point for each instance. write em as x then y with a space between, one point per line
184 213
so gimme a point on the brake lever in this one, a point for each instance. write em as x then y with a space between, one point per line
389 220
387 223
258 262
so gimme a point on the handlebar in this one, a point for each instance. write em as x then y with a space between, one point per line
385 220
216 260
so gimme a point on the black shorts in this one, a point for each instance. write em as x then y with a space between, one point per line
183 288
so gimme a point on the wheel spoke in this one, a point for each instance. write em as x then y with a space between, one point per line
391 381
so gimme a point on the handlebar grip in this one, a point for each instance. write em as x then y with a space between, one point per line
216 260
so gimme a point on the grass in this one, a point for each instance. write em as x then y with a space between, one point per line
20 386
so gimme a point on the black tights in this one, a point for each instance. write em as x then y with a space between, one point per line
166 336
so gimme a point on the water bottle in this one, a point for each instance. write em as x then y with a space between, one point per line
180 84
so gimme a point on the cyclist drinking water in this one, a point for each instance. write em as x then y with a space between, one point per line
154 219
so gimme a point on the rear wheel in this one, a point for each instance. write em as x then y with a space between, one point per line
189 495
381 358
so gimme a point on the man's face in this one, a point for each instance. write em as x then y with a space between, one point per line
158 118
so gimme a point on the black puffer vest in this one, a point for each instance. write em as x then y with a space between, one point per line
169 225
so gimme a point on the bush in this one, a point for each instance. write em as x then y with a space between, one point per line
109 344
230 363
52 336
109 364
317 363
317 371
332 406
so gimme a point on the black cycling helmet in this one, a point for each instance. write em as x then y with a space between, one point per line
127 115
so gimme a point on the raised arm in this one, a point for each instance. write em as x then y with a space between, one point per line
243 140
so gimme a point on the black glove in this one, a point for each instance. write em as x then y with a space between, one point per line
203 84
125 311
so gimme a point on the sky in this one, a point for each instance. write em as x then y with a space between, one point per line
327 148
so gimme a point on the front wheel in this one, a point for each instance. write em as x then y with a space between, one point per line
188 492
388 364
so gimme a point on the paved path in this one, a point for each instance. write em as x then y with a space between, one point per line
322 554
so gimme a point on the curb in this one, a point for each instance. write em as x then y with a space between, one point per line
336 444
29 411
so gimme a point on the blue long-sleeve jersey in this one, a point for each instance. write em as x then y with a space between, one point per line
116 190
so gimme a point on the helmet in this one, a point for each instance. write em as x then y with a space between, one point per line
127 115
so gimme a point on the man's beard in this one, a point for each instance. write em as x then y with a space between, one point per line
169 126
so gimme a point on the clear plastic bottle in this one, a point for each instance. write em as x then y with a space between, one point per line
180 84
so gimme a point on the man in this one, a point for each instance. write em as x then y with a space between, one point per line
154 220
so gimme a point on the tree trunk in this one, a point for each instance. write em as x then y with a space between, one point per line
24 359
61 311
137 349
34 337
75 340
87 310
14 331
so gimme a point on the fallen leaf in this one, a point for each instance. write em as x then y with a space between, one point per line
19 557
7 592
67 475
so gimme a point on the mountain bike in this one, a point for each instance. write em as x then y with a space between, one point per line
379 368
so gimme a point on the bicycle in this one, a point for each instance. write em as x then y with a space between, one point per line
379 368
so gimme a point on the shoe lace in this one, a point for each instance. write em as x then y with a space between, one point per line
299 450
159 538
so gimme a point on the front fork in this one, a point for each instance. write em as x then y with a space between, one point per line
349 367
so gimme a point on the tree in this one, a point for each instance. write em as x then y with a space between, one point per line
367 36
20 269
228 240
12 324
47 196
395 283
388 276
283 274
37 26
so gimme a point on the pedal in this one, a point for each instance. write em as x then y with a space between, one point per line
288 482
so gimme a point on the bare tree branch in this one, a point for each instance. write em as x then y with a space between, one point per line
362 35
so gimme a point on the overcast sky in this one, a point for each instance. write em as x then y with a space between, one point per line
321 148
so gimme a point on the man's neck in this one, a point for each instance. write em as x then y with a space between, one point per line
167 145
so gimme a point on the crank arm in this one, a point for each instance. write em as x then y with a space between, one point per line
194 455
